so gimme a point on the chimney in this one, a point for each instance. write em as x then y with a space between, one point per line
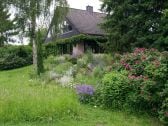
89 9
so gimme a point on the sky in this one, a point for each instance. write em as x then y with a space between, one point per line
81 4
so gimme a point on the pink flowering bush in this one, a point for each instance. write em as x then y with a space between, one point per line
144 84
148 75
137 61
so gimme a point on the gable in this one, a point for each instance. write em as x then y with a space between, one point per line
67 29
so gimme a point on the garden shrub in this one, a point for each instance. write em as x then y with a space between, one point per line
82 62
63 67
143 88
148 71
12 57
98 72
53 61
112 92
163 114
143 95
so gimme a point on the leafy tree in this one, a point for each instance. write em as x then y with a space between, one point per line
29 11
135 23
7 27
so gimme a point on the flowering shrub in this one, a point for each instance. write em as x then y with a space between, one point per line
85 92
136 62
142 86
148 72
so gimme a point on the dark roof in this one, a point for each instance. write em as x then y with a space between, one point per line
86 22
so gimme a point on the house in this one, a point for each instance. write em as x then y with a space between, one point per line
85 22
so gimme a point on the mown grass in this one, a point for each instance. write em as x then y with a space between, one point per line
24 102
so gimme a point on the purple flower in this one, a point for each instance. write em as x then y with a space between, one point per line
85 89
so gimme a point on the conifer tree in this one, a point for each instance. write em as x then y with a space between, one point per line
7 26
135 23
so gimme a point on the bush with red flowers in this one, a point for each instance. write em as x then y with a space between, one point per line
147 74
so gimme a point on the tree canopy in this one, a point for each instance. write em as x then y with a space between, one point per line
7 26
136 23
28 13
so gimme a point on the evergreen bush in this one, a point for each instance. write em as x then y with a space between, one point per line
12 57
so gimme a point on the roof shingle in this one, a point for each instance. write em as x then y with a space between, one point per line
86 22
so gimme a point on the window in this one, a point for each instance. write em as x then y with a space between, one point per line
65 27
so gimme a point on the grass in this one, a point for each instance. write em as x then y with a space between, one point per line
21 100
24 102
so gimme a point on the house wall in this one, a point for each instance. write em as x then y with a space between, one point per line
78 49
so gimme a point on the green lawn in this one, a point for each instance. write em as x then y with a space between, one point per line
24 102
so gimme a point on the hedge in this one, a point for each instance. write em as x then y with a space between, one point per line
12 57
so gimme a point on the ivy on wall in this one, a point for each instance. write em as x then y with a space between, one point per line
64 46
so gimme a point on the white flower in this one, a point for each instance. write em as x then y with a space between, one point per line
95 106
66 80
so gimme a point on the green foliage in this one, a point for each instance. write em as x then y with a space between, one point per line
26 100
112 92
163 114
6 26
148 71
144 85
134 81
144 96
42 105
82 62
14 57
135 23
40 67
59 106
80 38
28 12
64 46
62 68
83 78
98 72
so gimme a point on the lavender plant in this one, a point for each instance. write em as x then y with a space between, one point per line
85 92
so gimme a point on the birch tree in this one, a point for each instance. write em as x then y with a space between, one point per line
30 11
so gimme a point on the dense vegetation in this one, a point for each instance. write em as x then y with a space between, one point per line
136 23
27 14
35 102
6 26
64 46
12 57
57 90
137 81
133 81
